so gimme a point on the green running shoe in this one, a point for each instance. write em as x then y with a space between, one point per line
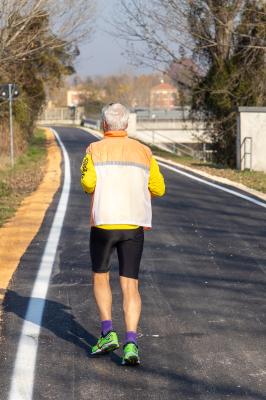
106 343
131 354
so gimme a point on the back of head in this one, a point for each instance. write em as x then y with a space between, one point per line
115 116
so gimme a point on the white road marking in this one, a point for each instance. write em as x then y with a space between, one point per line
214 185
23 374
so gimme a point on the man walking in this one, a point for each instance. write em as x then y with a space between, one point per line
121 175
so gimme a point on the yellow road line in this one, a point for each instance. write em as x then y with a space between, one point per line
17 234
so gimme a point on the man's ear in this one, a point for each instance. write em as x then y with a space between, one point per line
105 126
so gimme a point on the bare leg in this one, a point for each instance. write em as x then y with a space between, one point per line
131 302
103 295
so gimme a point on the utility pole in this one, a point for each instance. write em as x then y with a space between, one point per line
11 124
9 92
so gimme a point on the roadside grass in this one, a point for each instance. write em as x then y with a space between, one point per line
251 179
18 182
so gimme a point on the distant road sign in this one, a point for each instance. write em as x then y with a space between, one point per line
5 91
9 91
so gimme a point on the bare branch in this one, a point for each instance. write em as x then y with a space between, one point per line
70 22
156 30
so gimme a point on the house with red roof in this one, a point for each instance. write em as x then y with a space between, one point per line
164 96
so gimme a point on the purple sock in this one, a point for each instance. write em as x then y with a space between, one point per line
131 337
106 326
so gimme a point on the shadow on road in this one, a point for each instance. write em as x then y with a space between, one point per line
57 318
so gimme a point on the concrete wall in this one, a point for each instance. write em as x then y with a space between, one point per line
178 131
132 124
251 138
50 122
150 131
165 136
61 116
169 124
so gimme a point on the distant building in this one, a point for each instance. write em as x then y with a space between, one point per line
163 96
75 97
65 97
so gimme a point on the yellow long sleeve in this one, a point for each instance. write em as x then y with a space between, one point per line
156 181
88 178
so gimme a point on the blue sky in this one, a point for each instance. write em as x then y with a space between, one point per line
102 55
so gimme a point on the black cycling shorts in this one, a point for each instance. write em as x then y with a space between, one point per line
129 245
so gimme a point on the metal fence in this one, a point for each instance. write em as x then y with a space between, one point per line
199 151
56 114
177 114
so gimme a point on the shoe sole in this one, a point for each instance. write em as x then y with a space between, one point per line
131 360
106 349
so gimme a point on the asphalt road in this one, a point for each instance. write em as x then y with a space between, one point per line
202 332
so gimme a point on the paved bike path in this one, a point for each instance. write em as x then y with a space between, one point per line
202 331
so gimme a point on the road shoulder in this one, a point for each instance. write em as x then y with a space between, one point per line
17 234
214 178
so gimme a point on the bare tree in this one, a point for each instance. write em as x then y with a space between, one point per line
69 22
154 31
157 32
38 44
226 39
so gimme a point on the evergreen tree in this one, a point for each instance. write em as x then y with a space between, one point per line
236 77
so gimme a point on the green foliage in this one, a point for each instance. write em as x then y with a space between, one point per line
5 190
234 78
93 108
41 66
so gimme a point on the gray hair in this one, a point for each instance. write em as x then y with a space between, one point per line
116 116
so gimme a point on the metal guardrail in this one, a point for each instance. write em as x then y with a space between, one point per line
167 143
172 146
157 139
177 114
91 123
179 149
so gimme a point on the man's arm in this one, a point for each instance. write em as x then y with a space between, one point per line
156 181
88 178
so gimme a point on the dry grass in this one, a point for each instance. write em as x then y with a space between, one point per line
24 178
